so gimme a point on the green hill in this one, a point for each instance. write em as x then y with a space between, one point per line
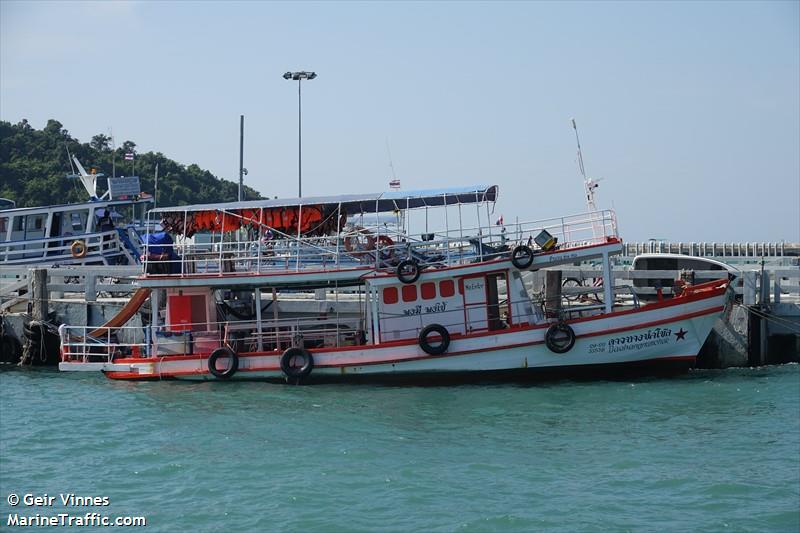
33 165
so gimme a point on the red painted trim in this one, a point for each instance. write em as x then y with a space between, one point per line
655 322
143 377
395 361
657 305
451 290
409 342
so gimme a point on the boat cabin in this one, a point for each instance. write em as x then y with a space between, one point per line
96 232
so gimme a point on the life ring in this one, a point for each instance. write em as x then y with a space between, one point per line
227 353
522 257
289 364
408 271
426 345
560 337
386 247
78 249
354 244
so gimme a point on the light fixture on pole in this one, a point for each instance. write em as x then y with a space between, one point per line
299 77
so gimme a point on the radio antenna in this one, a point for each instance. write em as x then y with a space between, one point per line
391 163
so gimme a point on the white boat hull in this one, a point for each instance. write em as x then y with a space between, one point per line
672 332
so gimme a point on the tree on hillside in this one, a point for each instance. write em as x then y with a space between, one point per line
101 142
34 163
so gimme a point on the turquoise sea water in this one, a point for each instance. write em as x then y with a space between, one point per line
711 450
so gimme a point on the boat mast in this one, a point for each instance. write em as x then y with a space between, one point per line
395 184
89 181
113 154
589 184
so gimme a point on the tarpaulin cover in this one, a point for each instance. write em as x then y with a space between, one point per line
159 243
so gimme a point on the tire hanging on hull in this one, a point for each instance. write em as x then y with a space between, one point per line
560 338
427 346
225 353
296 364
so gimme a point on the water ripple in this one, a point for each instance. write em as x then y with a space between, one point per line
711 450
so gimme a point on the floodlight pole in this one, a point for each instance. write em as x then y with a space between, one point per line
241 157
299 77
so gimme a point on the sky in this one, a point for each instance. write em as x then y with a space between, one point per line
689 112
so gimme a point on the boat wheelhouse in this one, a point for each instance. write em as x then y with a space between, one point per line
410 285
105 230
87 233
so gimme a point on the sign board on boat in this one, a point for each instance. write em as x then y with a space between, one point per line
124 187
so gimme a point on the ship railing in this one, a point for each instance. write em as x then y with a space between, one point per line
754 250
98 344
105 344
377 247
486 242
55 249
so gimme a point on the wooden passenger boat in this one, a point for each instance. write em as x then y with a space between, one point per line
392 300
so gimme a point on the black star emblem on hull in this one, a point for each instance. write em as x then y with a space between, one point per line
681 334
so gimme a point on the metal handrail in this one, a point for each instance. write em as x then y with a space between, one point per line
286 252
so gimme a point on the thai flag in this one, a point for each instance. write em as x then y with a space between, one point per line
394 184
129 156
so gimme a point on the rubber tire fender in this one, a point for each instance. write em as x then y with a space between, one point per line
413 276
294 373
525 258
10 349
555 329
426 345
223 352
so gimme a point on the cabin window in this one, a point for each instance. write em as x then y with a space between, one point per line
33 226
3 228
19 223
390 295
428 291
409 293
447 288
75 222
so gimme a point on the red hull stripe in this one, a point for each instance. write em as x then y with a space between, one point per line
656 322
413 342
658 305
137 376
123 375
